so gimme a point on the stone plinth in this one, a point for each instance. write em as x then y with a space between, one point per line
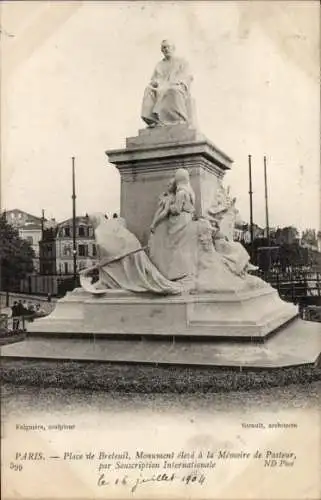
248 314
150 160
296 344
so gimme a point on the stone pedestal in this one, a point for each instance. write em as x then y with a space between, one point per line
246 314
150 160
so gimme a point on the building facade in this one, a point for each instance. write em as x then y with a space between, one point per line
56 246
29 228
47 249
242 232
86 252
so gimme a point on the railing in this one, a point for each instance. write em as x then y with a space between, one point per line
296 286
19 323
311 313
46 285
12 324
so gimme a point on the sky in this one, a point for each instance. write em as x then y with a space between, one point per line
73 76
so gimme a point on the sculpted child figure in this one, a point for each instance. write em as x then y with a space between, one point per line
165 200
234 254
212 273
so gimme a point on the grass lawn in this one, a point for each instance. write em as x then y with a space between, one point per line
97 376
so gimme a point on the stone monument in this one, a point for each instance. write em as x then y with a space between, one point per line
170 141
169 265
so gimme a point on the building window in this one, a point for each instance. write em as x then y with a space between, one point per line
67 231
94 250
66 267
29 239
67 250
81 231
83 250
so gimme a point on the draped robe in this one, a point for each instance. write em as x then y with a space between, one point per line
123 263
170 102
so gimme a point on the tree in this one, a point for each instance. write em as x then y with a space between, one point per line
309 237
286 235
286 252
16 254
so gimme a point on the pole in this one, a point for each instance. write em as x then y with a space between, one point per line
74 245
42 222
251 205
267 226
266 204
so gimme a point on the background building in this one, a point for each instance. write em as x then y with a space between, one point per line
85 241
30 229
47 249
56 246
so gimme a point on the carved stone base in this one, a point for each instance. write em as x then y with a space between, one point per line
247 314
150 160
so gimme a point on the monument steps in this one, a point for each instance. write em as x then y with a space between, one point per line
294 345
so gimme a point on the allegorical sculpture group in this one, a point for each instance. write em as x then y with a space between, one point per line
185 254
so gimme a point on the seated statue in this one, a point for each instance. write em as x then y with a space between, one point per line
123 263
167 98
172 244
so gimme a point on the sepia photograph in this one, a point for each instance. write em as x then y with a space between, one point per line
160 256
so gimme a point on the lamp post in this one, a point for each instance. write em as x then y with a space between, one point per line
74 244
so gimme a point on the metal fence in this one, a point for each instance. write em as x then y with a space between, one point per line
298 286
11 324
46 285
311 313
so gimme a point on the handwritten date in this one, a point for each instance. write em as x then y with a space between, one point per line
134 483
